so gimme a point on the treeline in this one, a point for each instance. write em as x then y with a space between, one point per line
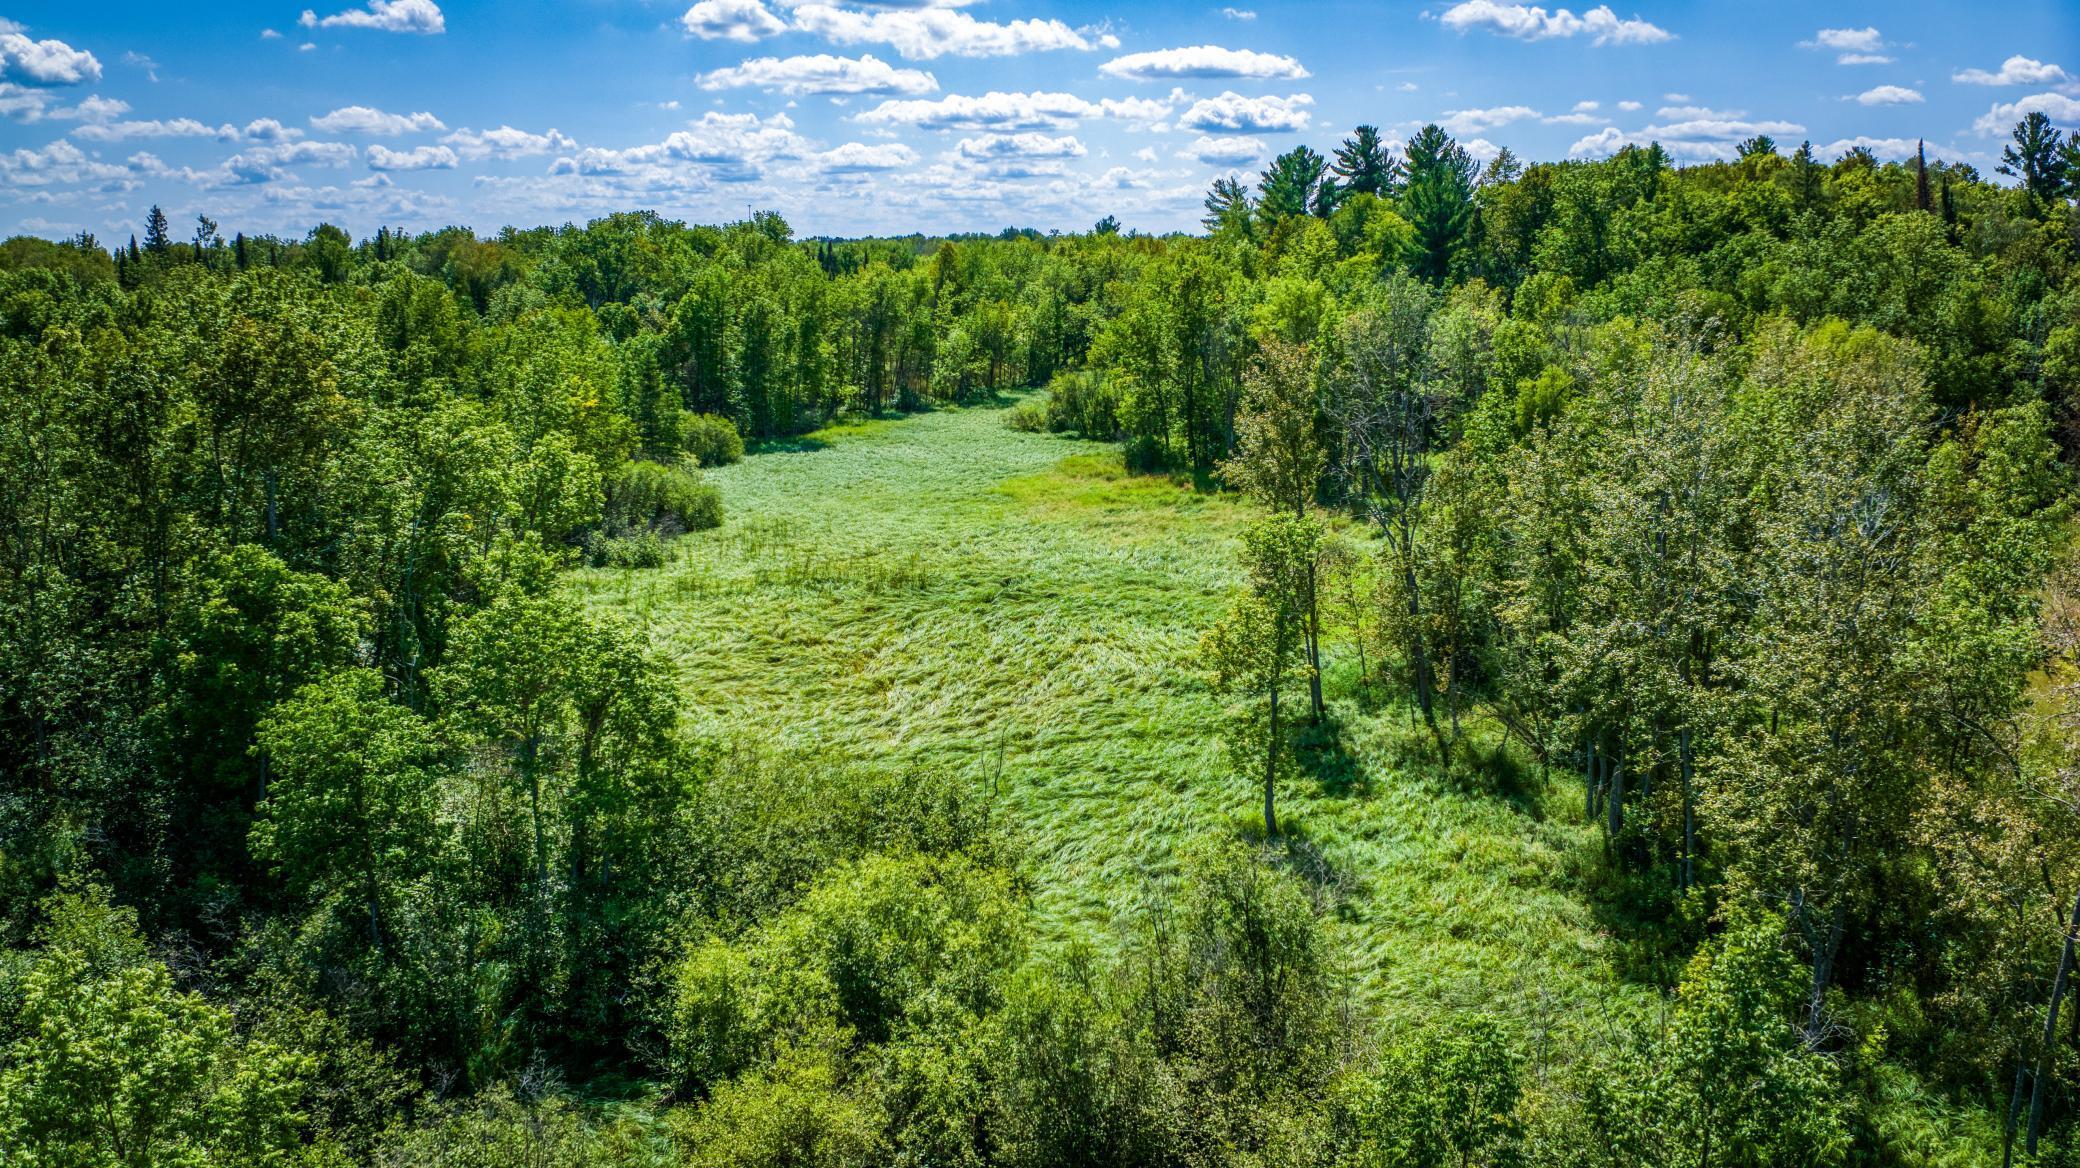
332 831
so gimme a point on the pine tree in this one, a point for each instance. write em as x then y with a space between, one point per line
2037 156
1921 201
1438 201
1364 165
1290 185
156 240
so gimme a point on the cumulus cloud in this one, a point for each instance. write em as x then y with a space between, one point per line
156 128
924 34
263 164
1602 144
1202 61
1473 121
1629 106
45 62
734 145
1224 151
407 16
361 119
997 147
2003 116
417 158
861 158
1532 23
1885 148
1887 95
60 163
414 16
1232 113
821 73
506 143
2016 70
1010 111
270 130
1853 46
732 20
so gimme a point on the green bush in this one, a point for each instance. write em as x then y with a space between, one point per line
667 500
710 439
1028 416
1085 404
644 549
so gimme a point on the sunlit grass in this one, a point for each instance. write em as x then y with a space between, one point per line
943 591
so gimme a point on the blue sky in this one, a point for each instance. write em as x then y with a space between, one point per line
932 115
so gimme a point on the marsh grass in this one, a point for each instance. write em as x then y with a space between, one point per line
945 591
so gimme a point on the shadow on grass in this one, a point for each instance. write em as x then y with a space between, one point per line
1323 753
1294 850
803 444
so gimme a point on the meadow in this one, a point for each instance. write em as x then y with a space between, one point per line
942 591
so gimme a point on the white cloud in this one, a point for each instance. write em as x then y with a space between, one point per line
1474 121
2016 70
1224 151
1884 148
1010 111
269 163
361 119
936 32
417 158
1202 61
1848 40
821 73
996 147
732 20
1887 95
735 145
1863 59
1629 106
2003 116
45 62
140 61
506 142
1602 144
417 16
170 128
1406 87
860 158
1232 113
1238 14
1532 23
269 130
60 163
1583 107
92 109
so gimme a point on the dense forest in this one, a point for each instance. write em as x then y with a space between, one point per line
1721 511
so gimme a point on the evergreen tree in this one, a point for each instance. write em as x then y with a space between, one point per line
1229 209
2037 156
1290 185
1921 197
1364 165
156 240
1438 201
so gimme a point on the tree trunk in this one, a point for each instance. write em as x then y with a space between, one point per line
1614 806
1688 764
1271 771
1823 967
2058 993
2014 1112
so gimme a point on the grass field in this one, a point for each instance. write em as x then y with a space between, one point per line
943 591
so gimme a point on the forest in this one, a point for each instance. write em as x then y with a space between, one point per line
1518 664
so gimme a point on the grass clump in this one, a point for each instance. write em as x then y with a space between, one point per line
666 500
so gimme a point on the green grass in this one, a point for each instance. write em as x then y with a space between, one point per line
944 591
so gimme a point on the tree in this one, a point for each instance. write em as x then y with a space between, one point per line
1279 459
111 1065
1759 146
351 815
1252 650
1729 1082
1229 209
1365 166
1437 202
2035 154
1290 186
157 240
1447 1099
1109 225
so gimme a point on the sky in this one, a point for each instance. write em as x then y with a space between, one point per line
850 117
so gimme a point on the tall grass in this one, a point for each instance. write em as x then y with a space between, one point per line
1014 607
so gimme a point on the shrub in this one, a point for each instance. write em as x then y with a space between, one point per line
644 549
1085 404
668 500
1029 416
710 439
